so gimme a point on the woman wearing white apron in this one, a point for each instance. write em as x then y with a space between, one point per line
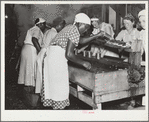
29 53
58 25
55 90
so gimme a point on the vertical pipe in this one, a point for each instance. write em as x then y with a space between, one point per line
107 13
126 10
117 20
103 12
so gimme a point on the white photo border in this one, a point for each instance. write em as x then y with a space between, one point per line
68 115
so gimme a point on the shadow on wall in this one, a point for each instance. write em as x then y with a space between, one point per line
11 30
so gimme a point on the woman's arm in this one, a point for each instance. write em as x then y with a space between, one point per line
120 37
107 36
36 44
85 40
72 57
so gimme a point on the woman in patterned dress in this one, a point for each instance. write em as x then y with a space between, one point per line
58 25
55 90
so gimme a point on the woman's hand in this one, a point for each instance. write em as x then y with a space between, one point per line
87 65
36 44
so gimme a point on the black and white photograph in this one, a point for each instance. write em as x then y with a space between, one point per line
74 58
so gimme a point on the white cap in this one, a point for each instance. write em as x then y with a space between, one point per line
82 18
41 20
94 19
141 13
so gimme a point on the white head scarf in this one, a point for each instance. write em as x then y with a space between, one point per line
94 19
141 13
41 20
82 18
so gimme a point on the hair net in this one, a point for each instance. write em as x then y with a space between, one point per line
94 19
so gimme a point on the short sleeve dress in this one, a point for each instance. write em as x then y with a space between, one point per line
55 89
28 57
128 38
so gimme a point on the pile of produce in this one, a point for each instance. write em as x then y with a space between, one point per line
136 75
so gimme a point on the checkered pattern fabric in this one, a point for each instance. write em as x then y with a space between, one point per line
52 103
42 93
71 33
56 104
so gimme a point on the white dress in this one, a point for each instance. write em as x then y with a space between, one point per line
28 57
47 39
128 38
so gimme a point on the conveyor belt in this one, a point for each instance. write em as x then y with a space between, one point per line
106 64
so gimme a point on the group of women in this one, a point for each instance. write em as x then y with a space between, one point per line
45 54
128 34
